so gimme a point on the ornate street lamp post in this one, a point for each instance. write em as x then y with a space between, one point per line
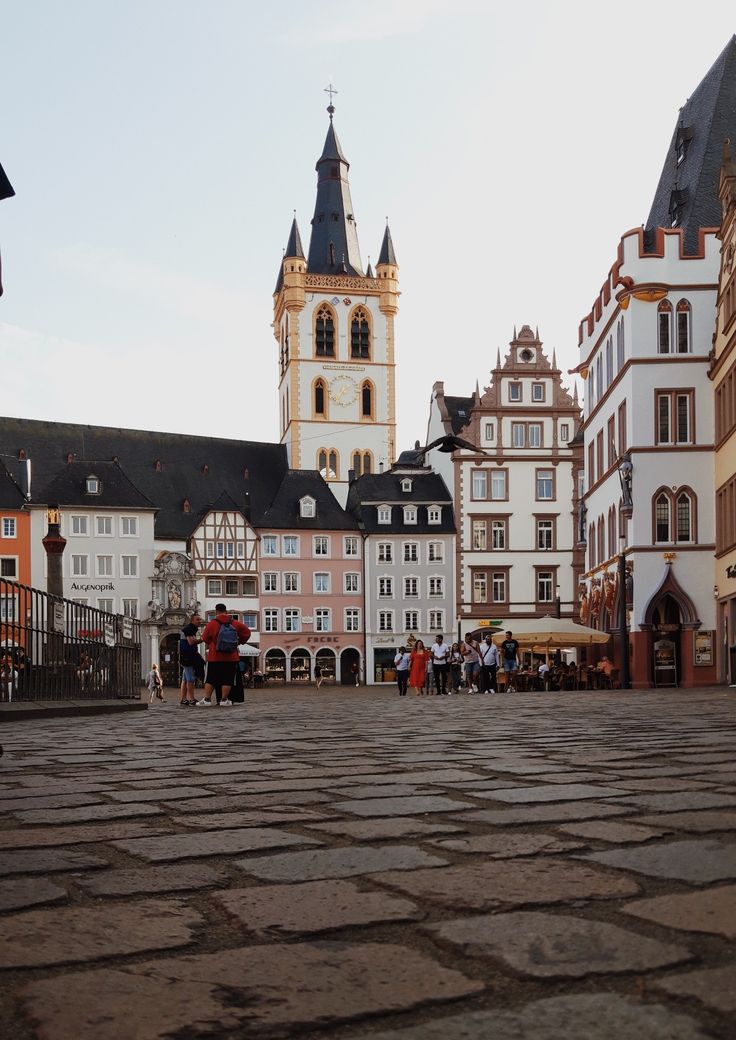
625 474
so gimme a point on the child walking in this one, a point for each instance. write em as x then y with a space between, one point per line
154 683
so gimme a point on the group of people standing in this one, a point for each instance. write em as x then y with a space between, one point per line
477 663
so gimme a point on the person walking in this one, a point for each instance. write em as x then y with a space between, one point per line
440 654
489 662
222 636
510 656
418 668
471 660
355 672
154 684
456 667
191 661
402 661
318 675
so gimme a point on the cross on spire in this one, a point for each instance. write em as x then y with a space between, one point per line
330 108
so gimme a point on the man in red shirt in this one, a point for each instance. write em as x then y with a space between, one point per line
222 636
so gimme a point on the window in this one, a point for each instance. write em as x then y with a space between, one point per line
78 526
352 619
535 435
214 587
291 581
498 485
220 550
385 552
435 552
351 545
292 619
269 545
249 587
270 620
489 431
323 619
360 334
324 332
664 325
545 485
479 484
411 588
599 455
9 527
92 486
107 605
538 391
410 514
591 465
104 525
498 585
386 587
545 534
129 526
320 397
609 361
290 545
436 621
130 608
478 530
321 545
662 518
104 566
436 587
250 618
240 547
351 582
683 327
480 587
411 620
514 391
270 581
210 550
322 582
622 428
564 432
411 552
129 566
674 416
366 400
232 587
80 565
406 485
384 514
434 514
498 534
8 608
518 432
385 620
545 586
620 345
8 567
362 463
327 463
307 507
611 438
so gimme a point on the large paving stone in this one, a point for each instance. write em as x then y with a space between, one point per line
314 906
697 861
712 910
714 987
697 822
683 800
47 861
484 885
38 837
82 933
581 810
556 793
385 827
612 831
505 845
596 1016
210 843
255 991
401 806
147 880
86 813
17 893
337 863
230 820
158 794
25 800
549 945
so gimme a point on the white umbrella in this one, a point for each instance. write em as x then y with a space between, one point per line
245 650
549 631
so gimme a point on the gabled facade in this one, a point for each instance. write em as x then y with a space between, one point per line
334 325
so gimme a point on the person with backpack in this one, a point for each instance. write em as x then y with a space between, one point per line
222 636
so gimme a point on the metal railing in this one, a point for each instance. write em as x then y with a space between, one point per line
55 649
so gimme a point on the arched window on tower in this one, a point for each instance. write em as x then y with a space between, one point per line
601 539
360 334
662 518
327 463
320 398
664 327
362 463
324 332
366 400
591 546
684 510
683 327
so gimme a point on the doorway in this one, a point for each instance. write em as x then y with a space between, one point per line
168 659
667 626
348 658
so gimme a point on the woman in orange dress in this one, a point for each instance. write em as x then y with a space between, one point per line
418 667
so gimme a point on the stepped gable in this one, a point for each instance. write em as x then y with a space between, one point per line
284 511
687 192
458 412
168 469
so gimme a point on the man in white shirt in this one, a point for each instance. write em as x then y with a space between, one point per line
490 659
440 657
402 669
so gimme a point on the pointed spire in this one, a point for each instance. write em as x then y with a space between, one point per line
369 270
294 245
387 254
498 353
575 393
477 391
536 332
515 332
554 357
334 231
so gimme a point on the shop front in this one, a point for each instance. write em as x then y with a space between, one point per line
384 669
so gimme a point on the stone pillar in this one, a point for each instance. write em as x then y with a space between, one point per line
54 544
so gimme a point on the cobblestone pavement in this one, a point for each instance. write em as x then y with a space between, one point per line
354 864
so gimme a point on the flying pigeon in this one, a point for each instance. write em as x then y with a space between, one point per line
448 444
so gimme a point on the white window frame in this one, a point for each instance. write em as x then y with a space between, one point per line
546 583
8 609
499 476
321 546
125 562
411 621
270 581
434 514
435 552
322 619
104 521
132 523
535 435
351 549
385 552
78 520
9 527
99 571
130 607
270 619
234 591
410 552
547 528
541 482
322 582
479 485
384 514
269 545
307 507
352 619
351 578
78 572
436 620
411 586
106 604
385 621
498 535
214 586
435 586
292 619
290 545
385 586
410 514
290 582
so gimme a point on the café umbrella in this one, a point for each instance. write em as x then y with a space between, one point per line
551 632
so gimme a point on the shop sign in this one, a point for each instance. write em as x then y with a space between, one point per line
109 633
703 648
486 622
127 628
57 620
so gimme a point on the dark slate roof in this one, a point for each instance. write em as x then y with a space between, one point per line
458 409
387 254
294 245
197 469
6 188
706 119
11 496
68 487
333 245
284 511
374 489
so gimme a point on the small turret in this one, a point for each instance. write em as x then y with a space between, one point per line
387 271
294 271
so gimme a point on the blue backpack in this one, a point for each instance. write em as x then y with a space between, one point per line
227 639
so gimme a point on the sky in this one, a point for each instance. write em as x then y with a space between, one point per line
158 150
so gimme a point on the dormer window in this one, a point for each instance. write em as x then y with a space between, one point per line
677 206
93 485
384 514
434 514
307 507
410 514
682 143
406 484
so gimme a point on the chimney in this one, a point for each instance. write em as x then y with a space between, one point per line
25 478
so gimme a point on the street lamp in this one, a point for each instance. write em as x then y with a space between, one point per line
625 475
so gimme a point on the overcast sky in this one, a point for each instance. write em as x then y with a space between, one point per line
159 147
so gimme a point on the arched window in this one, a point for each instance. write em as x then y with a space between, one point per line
362 462
360 334
601 539
327 463
684 512
664 327
320 398
591 546
357 460
366 400
620 345
612 531
662 518
367 462
324 332
683 327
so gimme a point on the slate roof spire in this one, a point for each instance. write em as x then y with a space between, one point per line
387 254
294 245
333 245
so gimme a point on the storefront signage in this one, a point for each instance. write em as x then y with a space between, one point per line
127 628
703 649
98 587
486 622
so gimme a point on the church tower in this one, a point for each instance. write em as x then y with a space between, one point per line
334 325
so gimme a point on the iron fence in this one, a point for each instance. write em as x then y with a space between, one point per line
56 649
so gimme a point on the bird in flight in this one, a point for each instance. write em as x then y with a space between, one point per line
448 444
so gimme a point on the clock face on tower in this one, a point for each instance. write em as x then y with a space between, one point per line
343 390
